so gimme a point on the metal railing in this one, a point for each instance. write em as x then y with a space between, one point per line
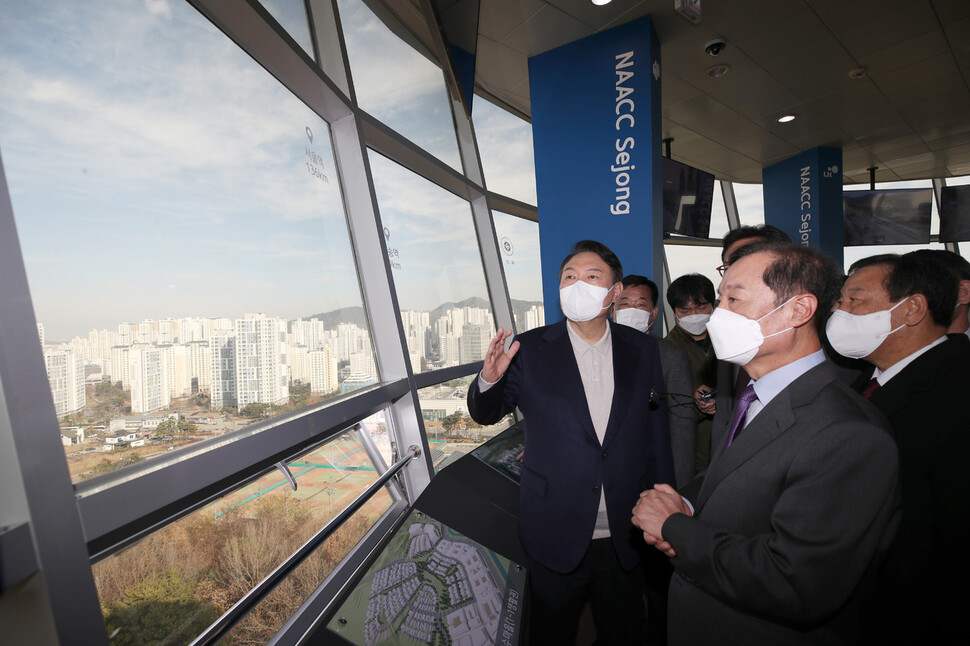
227 621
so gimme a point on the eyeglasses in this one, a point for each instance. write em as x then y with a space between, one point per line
722 269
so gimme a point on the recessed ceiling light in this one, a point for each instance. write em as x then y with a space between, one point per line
600 3
785 118
717 71
858 73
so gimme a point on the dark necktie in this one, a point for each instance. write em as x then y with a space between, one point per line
871 386
740 412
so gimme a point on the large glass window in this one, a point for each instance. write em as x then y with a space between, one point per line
719 222
751 204
852 254
182 228
396 83
437 268
693 259
518 242
451 431
171 585
505 147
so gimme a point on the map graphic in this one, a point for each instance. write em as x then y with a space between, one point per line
432 585
502 453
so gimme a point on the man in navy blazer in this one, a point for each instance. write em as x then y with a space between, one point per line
596 435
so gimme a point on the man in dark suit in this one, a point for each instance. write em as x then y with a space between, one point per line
731 378
638 307
801 498
894 312
593 441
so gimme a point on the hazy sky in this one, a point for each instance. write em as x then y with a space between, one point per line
155 170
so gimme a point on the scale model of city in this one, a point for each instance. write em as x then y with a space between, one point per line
429 586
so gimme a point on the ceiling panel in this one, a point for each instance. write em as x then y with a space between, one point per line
498 18
547 29
789 56
886 26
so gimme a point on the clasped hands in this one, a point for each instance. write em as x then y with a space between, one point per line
653 508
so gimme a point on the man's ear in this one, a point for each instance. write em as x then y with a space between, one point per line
804 307
963 296
917 309
617 290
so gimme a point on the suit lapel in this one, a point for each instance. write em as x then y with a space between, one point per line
562 364
624 382
772 422
914 379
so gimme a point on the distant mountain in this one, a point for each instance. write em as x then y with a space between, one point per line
474 301
353 315
356 315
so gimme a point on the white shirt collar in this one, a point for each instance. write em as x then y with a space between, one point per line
581 347
882 376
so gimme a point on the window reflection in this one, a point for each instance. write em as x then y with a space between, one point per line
172 584
518 242
182 228
436 266
397 84
505 148
451 431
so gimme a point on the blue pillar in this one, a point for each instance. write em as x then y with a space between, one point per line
803 198
597 133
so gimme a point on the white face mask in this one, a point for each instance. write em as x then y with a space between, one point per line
635 318
858 335
582 301
695 324
736 338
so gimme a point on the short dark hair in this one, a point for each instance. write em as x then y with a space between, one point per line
957 264
690 287
600 250
917 273
796 270
634 280
762 232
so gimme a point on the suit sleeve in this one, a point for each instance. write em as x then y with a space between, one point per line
498 401
825 526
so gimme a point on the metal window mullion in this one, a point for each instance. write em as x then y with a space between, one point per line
380 296
668 312
289 64
730 204
47 492
118 511
939 183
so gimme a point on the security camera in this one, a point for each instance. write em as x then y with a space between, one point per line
715 47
